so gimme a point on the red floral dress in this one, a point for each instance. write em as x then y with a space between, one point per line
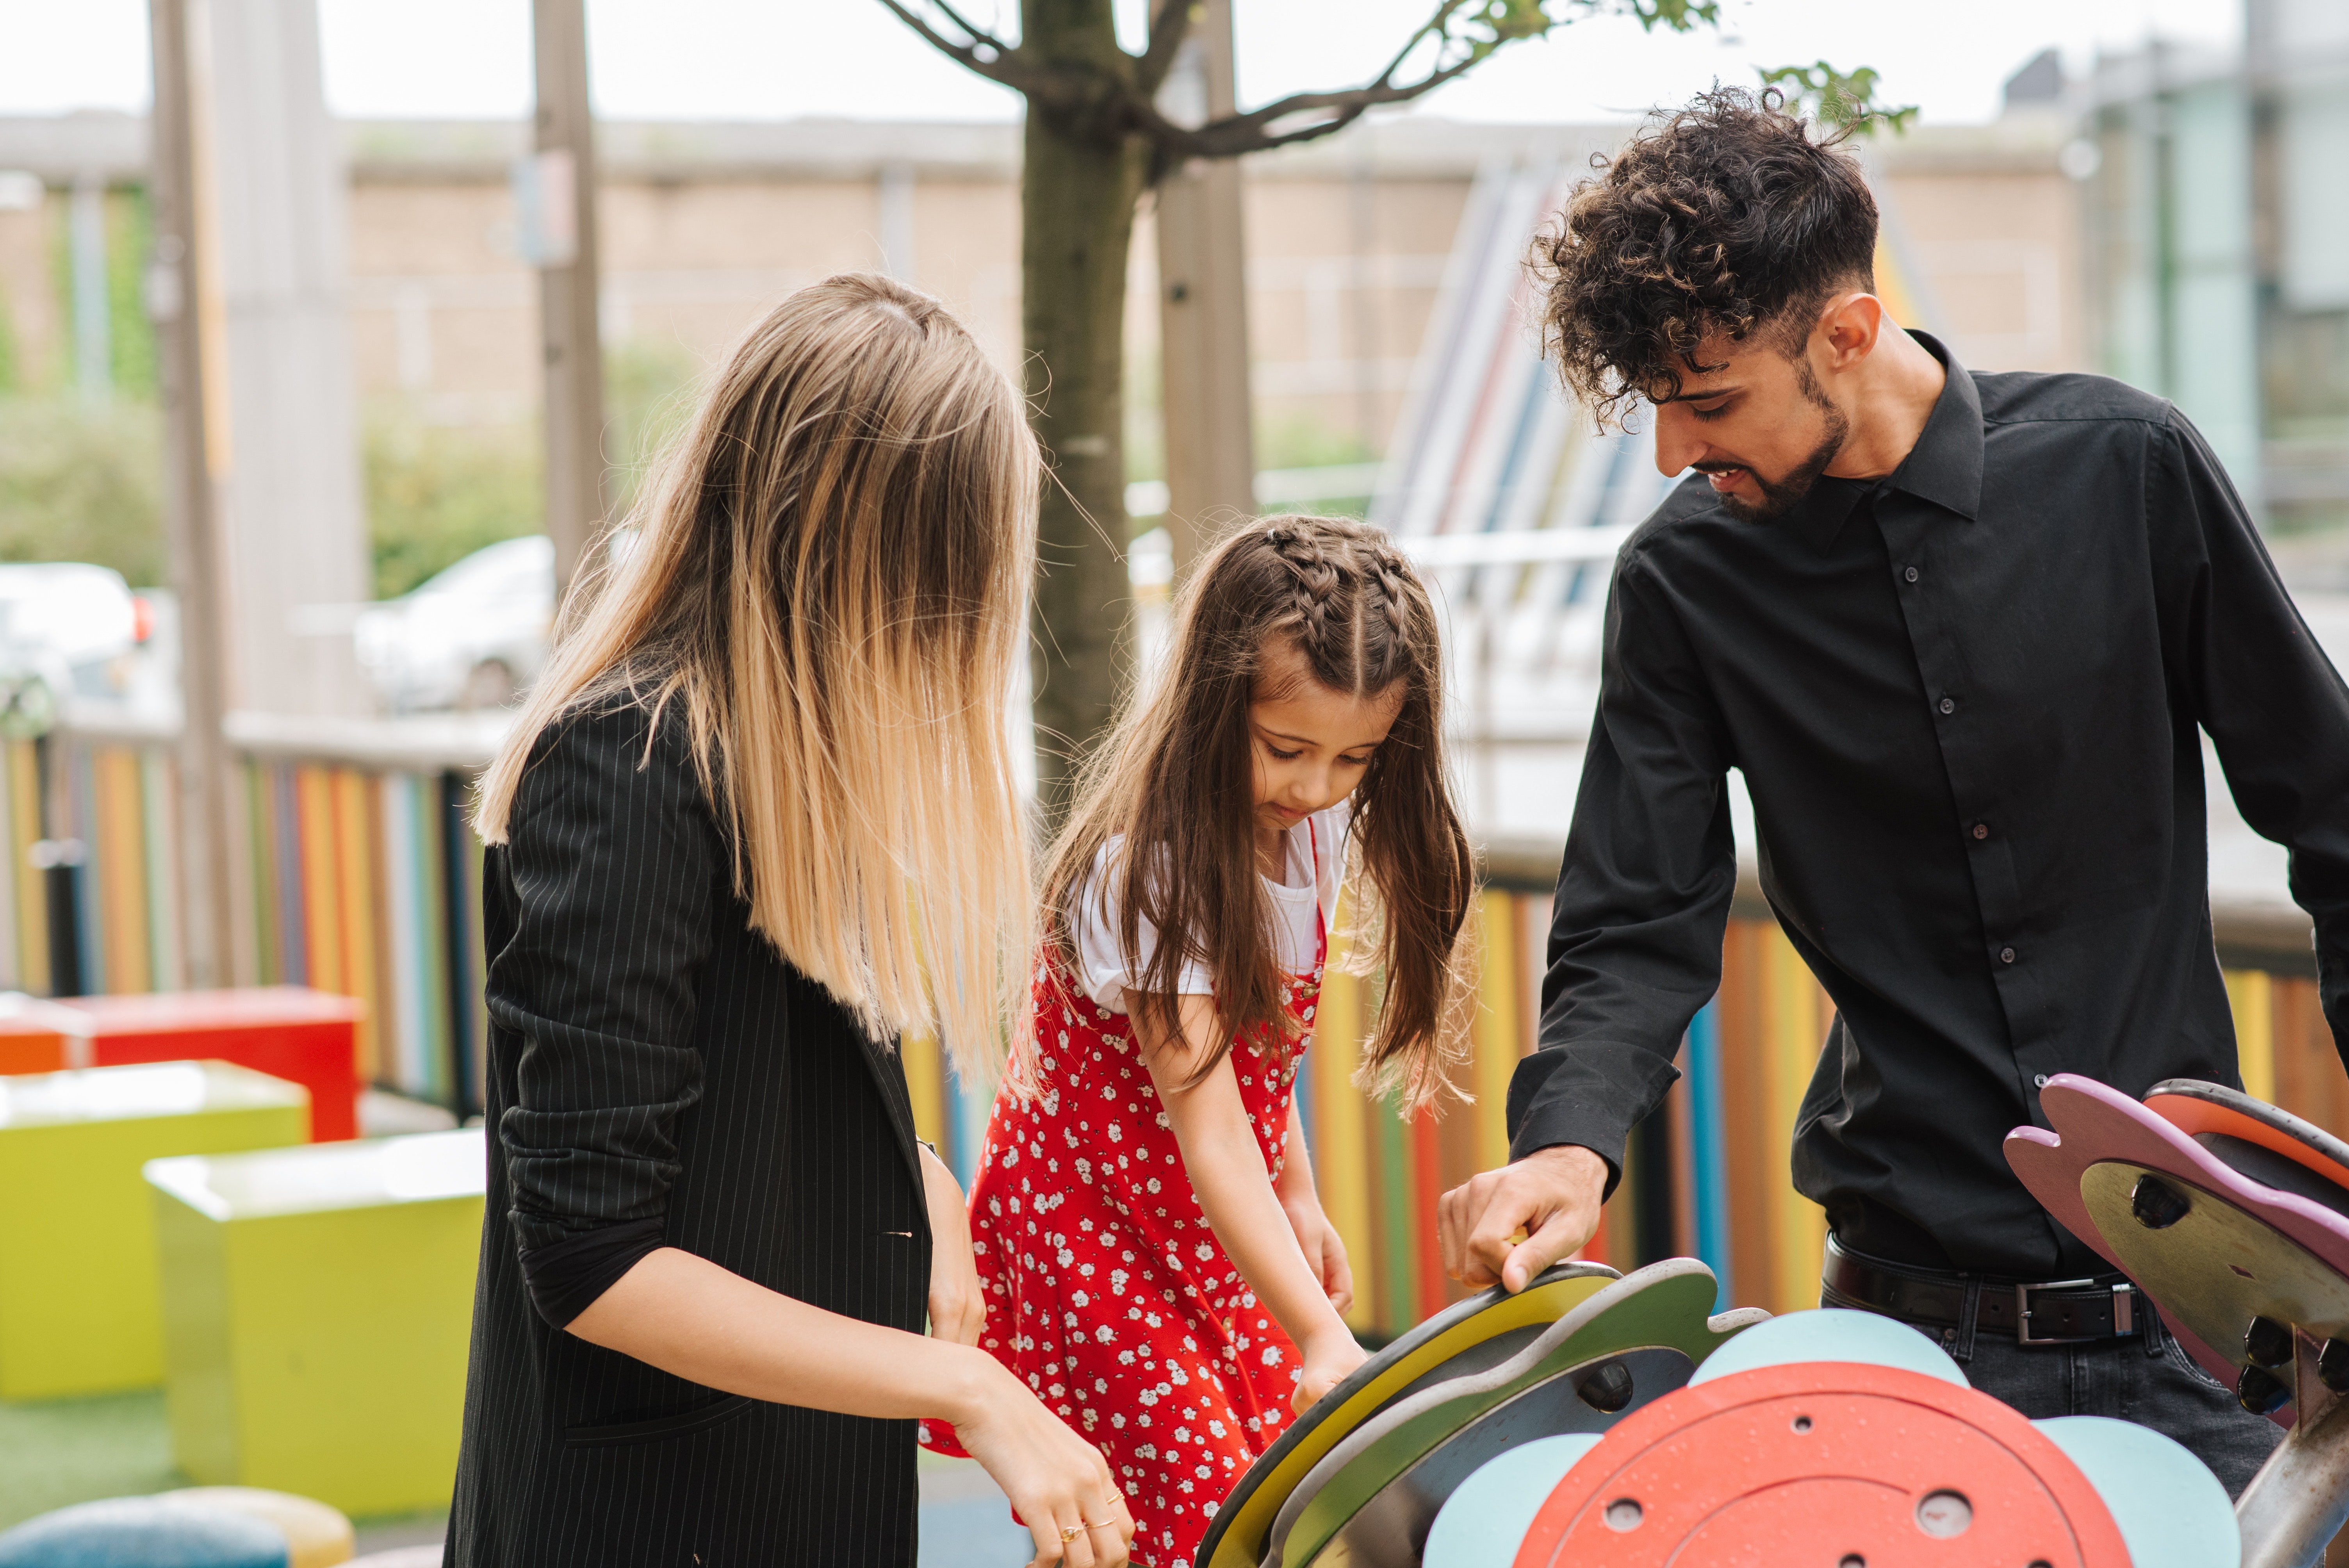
1106 1288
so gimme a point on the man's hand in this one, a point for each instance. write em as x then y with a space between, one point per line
1507 1225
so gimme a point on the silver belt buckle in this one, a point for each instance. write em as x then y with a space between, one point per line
2022 1335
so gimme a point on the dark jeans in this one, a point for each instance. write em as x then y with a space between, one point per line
2145 1378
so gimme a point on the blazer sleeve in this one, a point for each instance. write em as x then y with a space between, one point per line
612 856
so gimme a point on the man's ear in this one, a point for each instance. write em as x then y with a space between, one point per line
1849 327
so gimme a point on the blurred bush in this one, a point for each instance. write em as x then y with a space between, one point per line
436 493
83 481
649 393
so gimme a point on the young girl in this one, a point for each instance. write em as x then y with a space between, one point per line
1157 1264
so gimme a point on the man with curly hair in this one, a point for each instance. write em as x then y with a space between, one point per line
1962 632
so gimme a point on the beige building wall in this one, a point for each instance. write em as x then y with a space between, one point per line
39 329
707 226
1994 228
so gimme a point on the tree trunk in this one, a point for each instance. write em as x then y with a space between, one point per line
1078 186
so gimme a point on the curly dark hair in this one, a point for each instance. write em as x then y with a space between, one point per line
1724 216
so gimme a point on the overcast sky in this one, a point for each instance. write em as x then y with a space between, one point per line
776 60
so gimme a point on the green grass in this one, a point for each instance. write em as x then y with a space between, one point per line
64 1451
75 1451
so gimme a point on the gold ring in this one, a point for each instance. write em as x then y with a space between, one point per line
1099 1524
1070 1533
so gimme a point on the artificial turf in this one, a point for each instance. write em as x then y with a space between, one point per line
64 1451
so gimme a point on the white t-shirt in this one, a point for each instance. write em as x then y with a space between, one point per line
1302 903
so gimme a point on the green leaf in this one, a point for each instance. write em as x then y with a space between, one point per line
1487 24
1839 99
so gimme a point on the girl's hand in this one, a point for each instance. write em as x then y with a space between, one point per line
1328 1357
957 1300
1056 1480
1324 1250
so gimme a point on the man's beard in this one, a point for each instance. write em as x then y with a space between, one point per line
1779 495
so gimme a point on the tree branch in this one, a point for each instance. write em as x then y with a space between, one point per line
1007 66
1437 24
1170 23
1237 134
979 36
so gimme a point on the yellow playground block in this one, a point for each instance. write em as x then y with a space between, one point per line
318 1304
77 1293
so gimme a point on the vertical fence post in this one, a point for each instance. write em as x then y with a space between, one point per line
456 889
180 284
59 862
1651 1158
563 249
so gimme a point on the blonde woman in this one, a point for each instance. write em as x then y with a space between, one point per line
763 780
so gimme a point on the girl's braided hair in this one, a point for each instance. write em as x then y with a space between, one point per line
1176 780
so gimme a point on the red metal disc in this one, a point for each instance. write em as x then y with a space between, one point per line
1816 1464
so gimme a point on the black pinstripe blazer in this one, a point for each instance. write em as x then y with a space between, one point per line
654 1064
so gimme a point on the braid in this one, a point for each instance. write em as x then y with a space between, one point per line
1351 598
1314 582
1388 575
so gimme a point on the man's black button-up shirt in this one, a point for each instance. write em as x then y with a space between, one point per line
1965 700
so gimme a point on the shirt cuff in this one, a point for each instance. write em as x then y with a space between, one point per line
566 1277
1589 1095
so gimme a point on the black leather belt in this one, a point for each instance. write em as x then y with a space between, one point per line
2037 1311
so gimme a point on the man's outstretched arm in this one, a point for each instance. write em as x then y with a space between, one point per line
1634 950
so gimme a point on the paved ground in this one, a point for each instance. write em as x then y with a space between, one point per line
74 1451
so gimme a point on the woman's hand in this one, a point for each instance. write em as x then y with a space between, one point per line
1056 1482
957 1300
1324 1250
1330 1356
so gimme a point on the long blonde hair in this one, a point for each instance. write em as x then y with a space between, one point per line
826 581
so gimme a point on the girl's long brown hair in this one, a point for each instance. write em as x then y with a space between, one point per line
1176 778
826 583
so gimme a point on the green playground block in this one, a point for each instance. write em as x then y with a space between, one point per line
78 1310
317 1302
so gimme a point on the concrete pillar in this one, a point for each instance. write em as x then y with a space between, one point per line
896 203
2213 368
285 454
571 333
93 337
183 292
1203 306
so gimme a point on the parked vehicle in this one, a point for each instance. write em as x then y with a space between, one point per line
66 631
474 636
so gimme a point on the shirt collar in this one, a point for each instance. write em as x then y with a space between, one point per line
1944 468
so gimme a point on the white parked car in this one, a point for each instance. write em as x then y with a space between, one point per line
474 636
66 631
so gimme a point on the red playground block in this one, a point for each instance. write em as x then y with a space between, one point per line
309 1037
35 1036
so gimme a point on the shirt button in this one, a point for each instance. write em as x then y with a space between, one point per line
2039 1080
1982 830
1910 574
2006 955
1949 705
